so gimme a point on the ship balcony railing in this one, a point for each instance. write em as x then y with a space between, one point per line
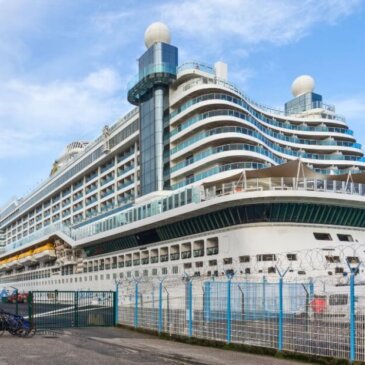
174 256
78 185
91 177
96 268
90 201
107 167
106 193
101 267
128 263
91 189
107 267
78 196
145 261
121 265
164 258
212 251
199 252
124 185
90 269
123 171
136 262
124 156
76 209
154 259
186 254
106 180
114 266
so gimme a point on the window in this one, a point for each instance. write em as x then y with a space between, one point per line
339 270
145 272
352 259
338 299
175 270
267 257
227 261
154 272
322 236
129 274
121 275
345 238
213 263
271 270
333 259
199 264
291 257
300 272
247 270
244 259
164 271
136 274
187 265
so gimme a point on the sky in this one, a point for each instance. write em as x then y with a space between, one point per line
65 64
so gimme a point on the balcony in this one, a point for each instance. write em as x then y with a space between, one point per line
186 254
136 262
121 265
164 258
212 251
199 252
174 256
145 261
128 263
154 260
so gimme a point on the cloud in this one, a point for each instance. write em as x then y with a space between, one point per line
34 117
353 107
254 21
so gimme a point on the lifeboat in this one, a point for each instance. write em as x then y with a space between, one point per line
44 252
26 257
3 264
12 262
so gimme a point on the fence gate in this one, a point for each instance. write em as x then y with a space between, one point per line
67 309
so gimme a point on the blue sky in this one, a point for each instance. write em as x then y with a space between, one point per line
65 64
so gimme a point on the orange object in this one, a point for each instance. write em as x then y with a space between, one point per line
318 305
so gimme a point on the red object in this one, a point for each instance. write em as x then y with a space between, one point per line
22 298
318 305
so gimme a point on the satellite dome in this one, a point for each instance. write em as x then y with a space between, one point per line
302 85
157 32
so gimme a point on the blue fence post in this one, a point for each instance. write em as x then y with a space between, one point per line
311 289
207 301
229 311
160 308
280 337
281 308
264 295
136 306
190 301
352 317
353 272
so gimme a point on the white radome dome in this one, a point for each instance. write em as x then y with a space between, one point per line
302 85
157 32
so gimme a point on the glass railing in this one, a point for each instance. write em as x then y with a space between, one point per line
253 113
231 86
285 184
267 131
264 151
151 69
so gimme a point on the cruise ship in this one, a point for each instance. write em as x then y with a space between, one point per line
197 178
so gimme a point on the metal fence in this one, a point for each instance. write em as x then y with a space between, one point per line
316 317
66 309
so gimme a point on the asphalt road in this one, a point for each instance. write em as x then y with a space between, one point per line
110 346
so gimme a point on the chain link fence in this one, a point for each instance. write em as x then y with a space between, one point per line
314 316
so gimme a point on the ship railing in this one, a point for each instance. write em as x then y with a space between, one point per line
284 183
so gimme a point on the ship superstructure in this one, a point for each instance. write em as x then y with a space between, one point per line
196 177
